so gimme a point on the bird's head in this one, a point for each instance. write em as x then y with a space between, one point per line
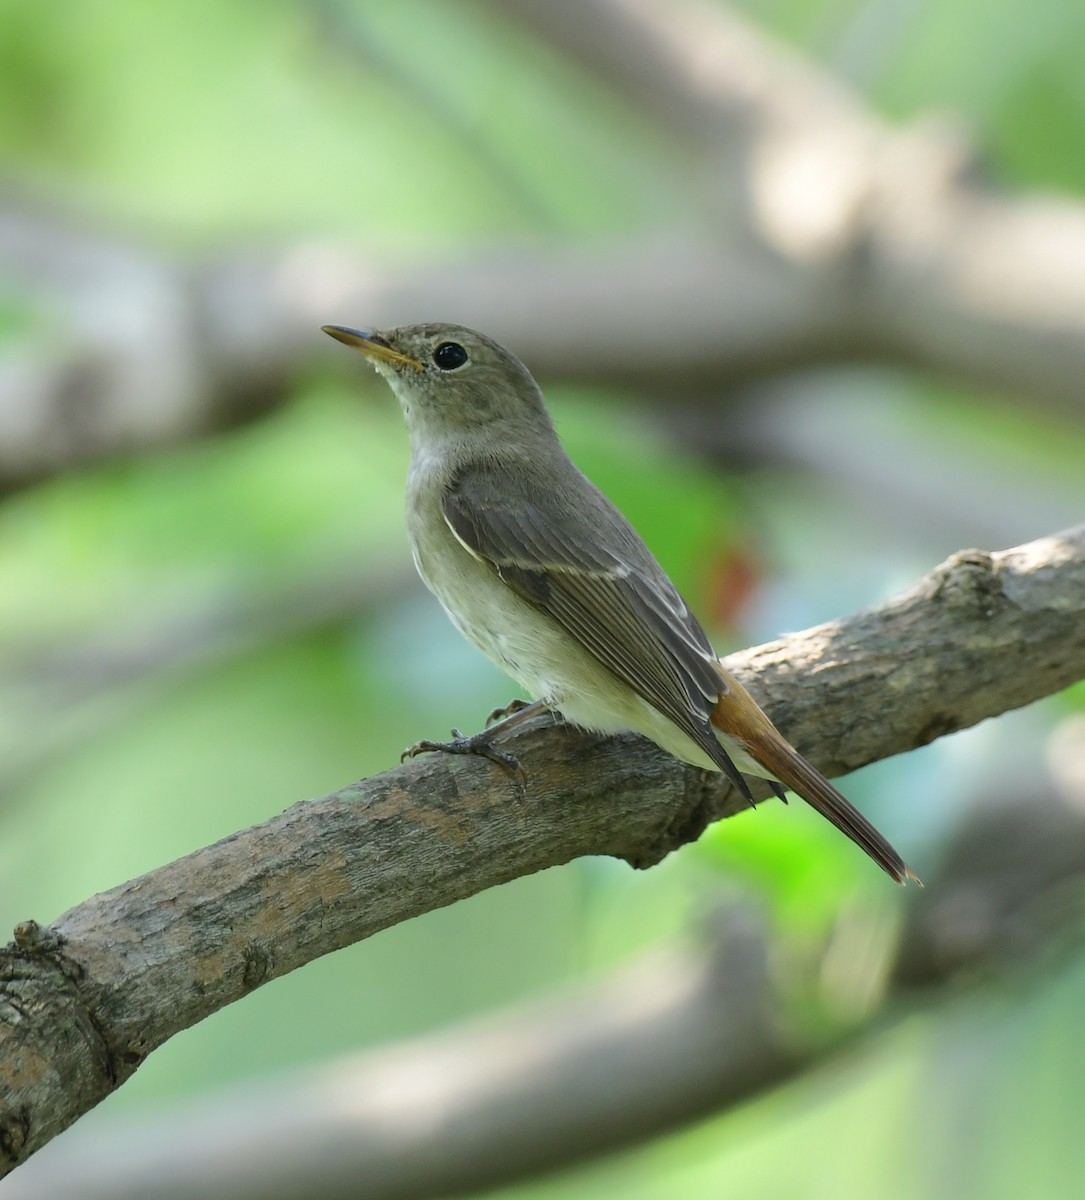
449 379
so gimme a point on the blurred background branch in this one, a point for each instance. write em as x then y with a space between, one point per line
909 257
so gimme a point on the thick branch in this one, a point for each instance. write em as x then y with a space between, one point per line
677 1032
84 1001
681 1033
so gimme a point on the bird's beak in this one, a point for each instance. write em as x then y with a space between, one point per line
371 344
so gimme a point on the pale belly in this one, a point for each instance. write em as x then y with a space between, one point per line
548 663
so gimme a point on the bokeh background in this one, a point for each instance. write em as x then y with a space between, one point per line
206 617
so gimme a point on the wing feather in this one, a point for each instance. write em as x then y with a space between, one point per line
618 604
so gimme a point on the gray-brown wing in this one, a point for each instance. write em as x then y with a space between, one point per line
602 586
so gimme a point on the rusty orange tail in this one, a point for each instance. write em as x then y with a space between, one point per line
737 715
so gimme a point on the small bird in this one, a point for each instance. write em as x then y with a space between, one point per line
540 571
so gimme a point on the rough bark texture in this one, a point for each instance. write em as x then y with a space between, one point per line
681 1033
673 1034
83 1001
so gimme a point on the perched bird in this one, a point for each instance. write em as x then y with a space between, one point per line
539 570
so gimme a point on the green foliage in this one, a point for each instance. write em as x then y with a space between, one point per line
932 1109
259 505
1010 70
212 118
684 511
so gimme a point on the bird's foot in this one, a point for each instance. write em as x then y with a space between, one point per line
461 743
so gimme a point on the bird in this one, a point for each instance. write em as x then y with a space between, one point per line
539 570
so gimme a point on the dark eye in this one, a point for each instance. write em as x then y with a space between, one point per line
449 355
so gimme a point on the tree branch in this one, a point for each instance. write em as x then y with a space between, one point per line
83 1001
471 1107
681 1033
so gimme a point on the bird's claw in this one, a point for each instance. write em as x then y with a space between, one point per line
461 743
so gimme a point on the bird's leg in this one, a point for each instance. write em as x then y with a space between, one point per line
513 714
481 743
510 709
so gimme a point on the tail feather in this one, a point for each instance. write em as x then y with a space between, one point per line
738 717
789 766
